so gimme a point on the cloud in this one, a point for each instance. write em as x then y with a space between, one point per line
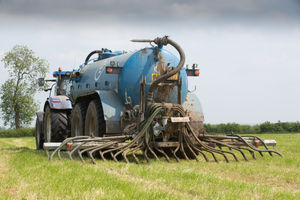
155 11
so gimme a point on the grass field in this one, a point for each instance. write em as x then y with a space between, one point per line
27 174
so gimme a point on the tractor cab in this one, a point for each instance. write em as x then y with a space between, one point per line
62 82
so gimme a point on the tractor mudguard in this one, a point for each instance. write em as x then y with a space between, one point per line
60 102
112 110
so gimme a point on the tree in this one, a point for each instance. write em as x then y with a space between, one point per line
17 93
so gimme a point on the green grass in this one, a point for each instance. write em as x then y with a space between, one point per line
27 173
21 132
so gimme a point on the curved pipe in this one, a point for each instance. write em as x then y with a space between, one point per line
90 55
164 41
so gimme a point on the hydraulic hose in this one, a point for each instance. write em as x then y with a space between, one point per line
164 41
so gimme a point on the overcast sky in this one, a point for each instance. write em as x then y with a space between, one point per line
248 51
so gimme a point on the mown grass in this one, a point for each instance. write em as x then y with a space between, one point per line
27 173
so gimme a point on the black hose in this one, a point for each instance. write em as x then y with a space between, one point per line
90 55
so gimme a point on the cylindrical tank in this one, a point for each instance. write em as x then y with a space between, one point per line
131 68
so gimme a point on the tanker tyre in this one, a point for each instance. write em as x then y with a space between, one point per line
39 136
78 119
94 123
55 125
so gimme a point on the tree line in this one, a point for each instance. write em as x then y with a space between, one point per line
266 127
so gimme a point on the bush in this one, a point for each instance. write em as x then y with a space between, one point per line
22 132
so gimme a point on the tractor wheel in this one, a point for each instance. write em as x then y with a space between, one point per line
55 125
39 135
94 121
78 119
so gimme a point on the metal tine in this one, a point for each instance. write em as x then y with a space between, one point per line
134 156
129 145
176 150
145 154
92 157
182 147
189 128
187 142
250 151
213 150
223 153
254 148
80 156
204 155
229 146
195 148
174 154
163 152
191 150
132 152
80 152
114 156
206 147
125 157
215 158
136 159
75 149
119 152
102 156
266 147
153 153
257 149
146 138
64 143
97 148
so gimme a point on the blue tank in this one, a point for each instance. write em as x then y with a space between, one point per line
116 78
131 67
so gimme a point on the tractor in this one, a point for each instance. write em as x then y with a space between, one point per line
53 124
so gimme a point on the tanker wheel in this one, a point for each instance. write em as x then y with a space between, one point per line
55 125
94 121
39 136
78 119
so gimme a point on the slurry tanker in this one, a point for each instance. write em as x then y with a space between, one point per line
134 106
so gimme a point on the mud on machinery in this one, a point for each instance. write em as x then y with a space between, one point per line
134 107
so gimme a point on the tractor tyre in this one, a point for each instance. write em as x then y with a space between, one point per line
55 125
94 121
39 134
78 119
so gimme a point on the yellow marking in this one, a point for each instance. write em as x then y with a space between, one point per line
156 75
174 77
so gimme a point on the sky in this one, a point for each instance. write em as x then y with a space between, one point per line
248 51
